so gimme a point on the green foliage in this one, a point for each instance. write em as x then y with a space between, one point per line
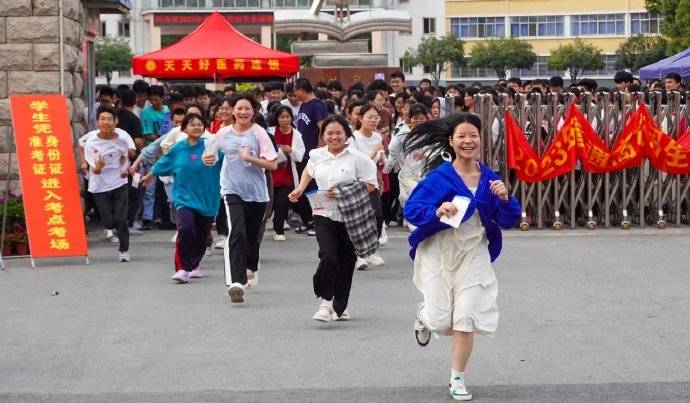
640 51
167 40
675 23
503 54
575 57
112 55
436 54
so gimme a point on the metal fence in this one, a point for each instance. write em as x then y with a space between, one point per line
633 197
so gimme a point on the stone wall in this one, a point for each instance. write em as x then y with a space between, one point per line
30 63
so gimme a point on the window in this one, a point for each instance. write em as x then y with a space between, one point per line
181 3
103 28
123 28
405 68
427 69
551 25
608 71
478 27
644 23
456 71
429 25
124 73
538 70
597 24
291 3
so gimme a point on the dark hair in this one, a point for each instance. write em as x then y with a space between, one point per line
459 100
140 87
122 87
235 98
336 119
330 105
356 87
203 91
273 85
418 109
359 94
321 84
194 105
190 117
366 108
187 91
278 111
425 80
371 95
229 88
335 86
178 112
556 81
156 90
106 109
174 98
515 80
378 85
107 91
127 98
589 84
622 77
352 105
304 85
433 136
673 76
398 74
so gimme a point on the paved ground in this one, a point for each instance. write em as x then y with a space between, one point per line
599 316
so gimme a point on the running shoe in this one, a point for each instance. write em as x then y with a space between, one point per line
344 317
220 243
458 390
124 257
361 264
375 260
252 279
421 331
181 276
236 293
383 239
279 237
325 313
196 273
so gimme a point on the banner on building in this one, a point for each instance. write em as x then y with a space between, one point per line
577 141
48 176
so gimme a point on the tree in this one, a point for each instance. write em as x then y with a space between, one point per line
112 55
503 54
575 58
436 54
640 51
675 23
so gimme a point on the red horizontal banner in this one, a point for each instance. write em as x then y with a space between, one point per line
576 140
196 19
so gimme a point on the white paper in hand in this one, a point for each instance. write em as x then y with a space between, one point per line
281 156
462 203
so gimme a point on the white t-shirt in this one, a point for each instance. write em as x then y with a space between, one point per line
114 151
94 133
330 170
364 144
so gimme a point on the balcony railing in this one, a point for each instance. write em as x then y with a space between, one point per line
243 4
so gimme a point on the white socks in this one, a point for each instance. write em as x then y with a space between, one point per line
455 374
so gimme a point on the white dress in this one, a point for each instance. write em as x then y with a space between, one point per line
453 270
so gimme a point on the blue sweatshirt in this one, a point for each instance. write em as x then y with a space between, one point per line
442 185
196 186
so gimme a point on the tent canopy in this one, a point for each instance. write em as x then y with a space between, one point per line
215 50
679 63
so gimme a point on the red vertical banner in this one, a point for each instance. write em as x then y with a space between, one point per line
48 176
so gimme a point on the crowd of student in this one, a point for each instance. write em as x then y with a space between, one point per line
340 165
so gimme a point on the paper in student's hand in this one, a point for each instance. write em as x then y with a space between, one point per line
281 157
462 203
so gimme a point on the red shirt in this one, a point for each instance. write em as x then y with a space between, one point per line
283 175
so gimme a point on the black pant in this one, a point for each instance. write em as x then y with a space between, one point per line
242 246
333 277
134 199
281 205
375 198
269 205
222 220
389 200
193 231
113 207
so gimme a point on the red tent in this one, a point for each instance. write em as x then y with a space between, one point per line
215 50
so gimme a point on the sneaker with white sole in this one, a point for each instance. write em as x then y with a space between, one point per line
108 233
252 279
361 264
325 313
114 239
458 390
421 331
210 248
236 293
135 232
383 239
181 276
311 232
344 317
220 243
375 260
279 237
196 273
124 257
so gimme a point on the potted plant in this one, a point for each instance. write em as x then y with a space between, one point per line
21 243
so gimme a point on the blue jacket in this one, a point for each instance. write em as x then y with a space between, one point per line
442 185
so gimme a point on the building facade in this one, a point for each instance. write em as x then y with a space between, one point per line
546 24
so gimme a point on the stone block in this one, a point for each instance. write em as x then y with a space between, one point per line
3 84
33 29
26 82
73 9
6 140
15 56
78 130
4 160
46 7
5 115
78 83
73 31
17 7
3 30
15 187
47 56
69 84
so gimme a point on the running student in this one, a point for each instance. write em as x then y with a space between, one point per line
194 193
248 153
453 266
333 165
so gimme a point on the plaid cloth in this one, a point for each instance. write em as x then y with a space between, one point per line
358 215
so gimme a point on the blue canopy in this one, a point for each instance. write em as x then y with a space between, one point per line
679 63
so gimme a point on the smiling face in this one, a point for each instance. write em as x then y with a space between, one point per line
284 119
194 128
106 122
334 137
417 120
465 141
243 112
370 120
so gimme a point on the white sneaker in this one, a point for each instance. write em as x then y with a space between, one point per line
196 273
279 237
236 293
220 243
181 276
286 226
210 248
325 312
393 224
114 239
108 234
174 238
252 279
421 331
383 239
361 264
345 316
124 257
375 260
458 390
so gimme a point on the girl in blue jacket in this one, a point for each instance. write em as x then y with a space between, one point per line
452 265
